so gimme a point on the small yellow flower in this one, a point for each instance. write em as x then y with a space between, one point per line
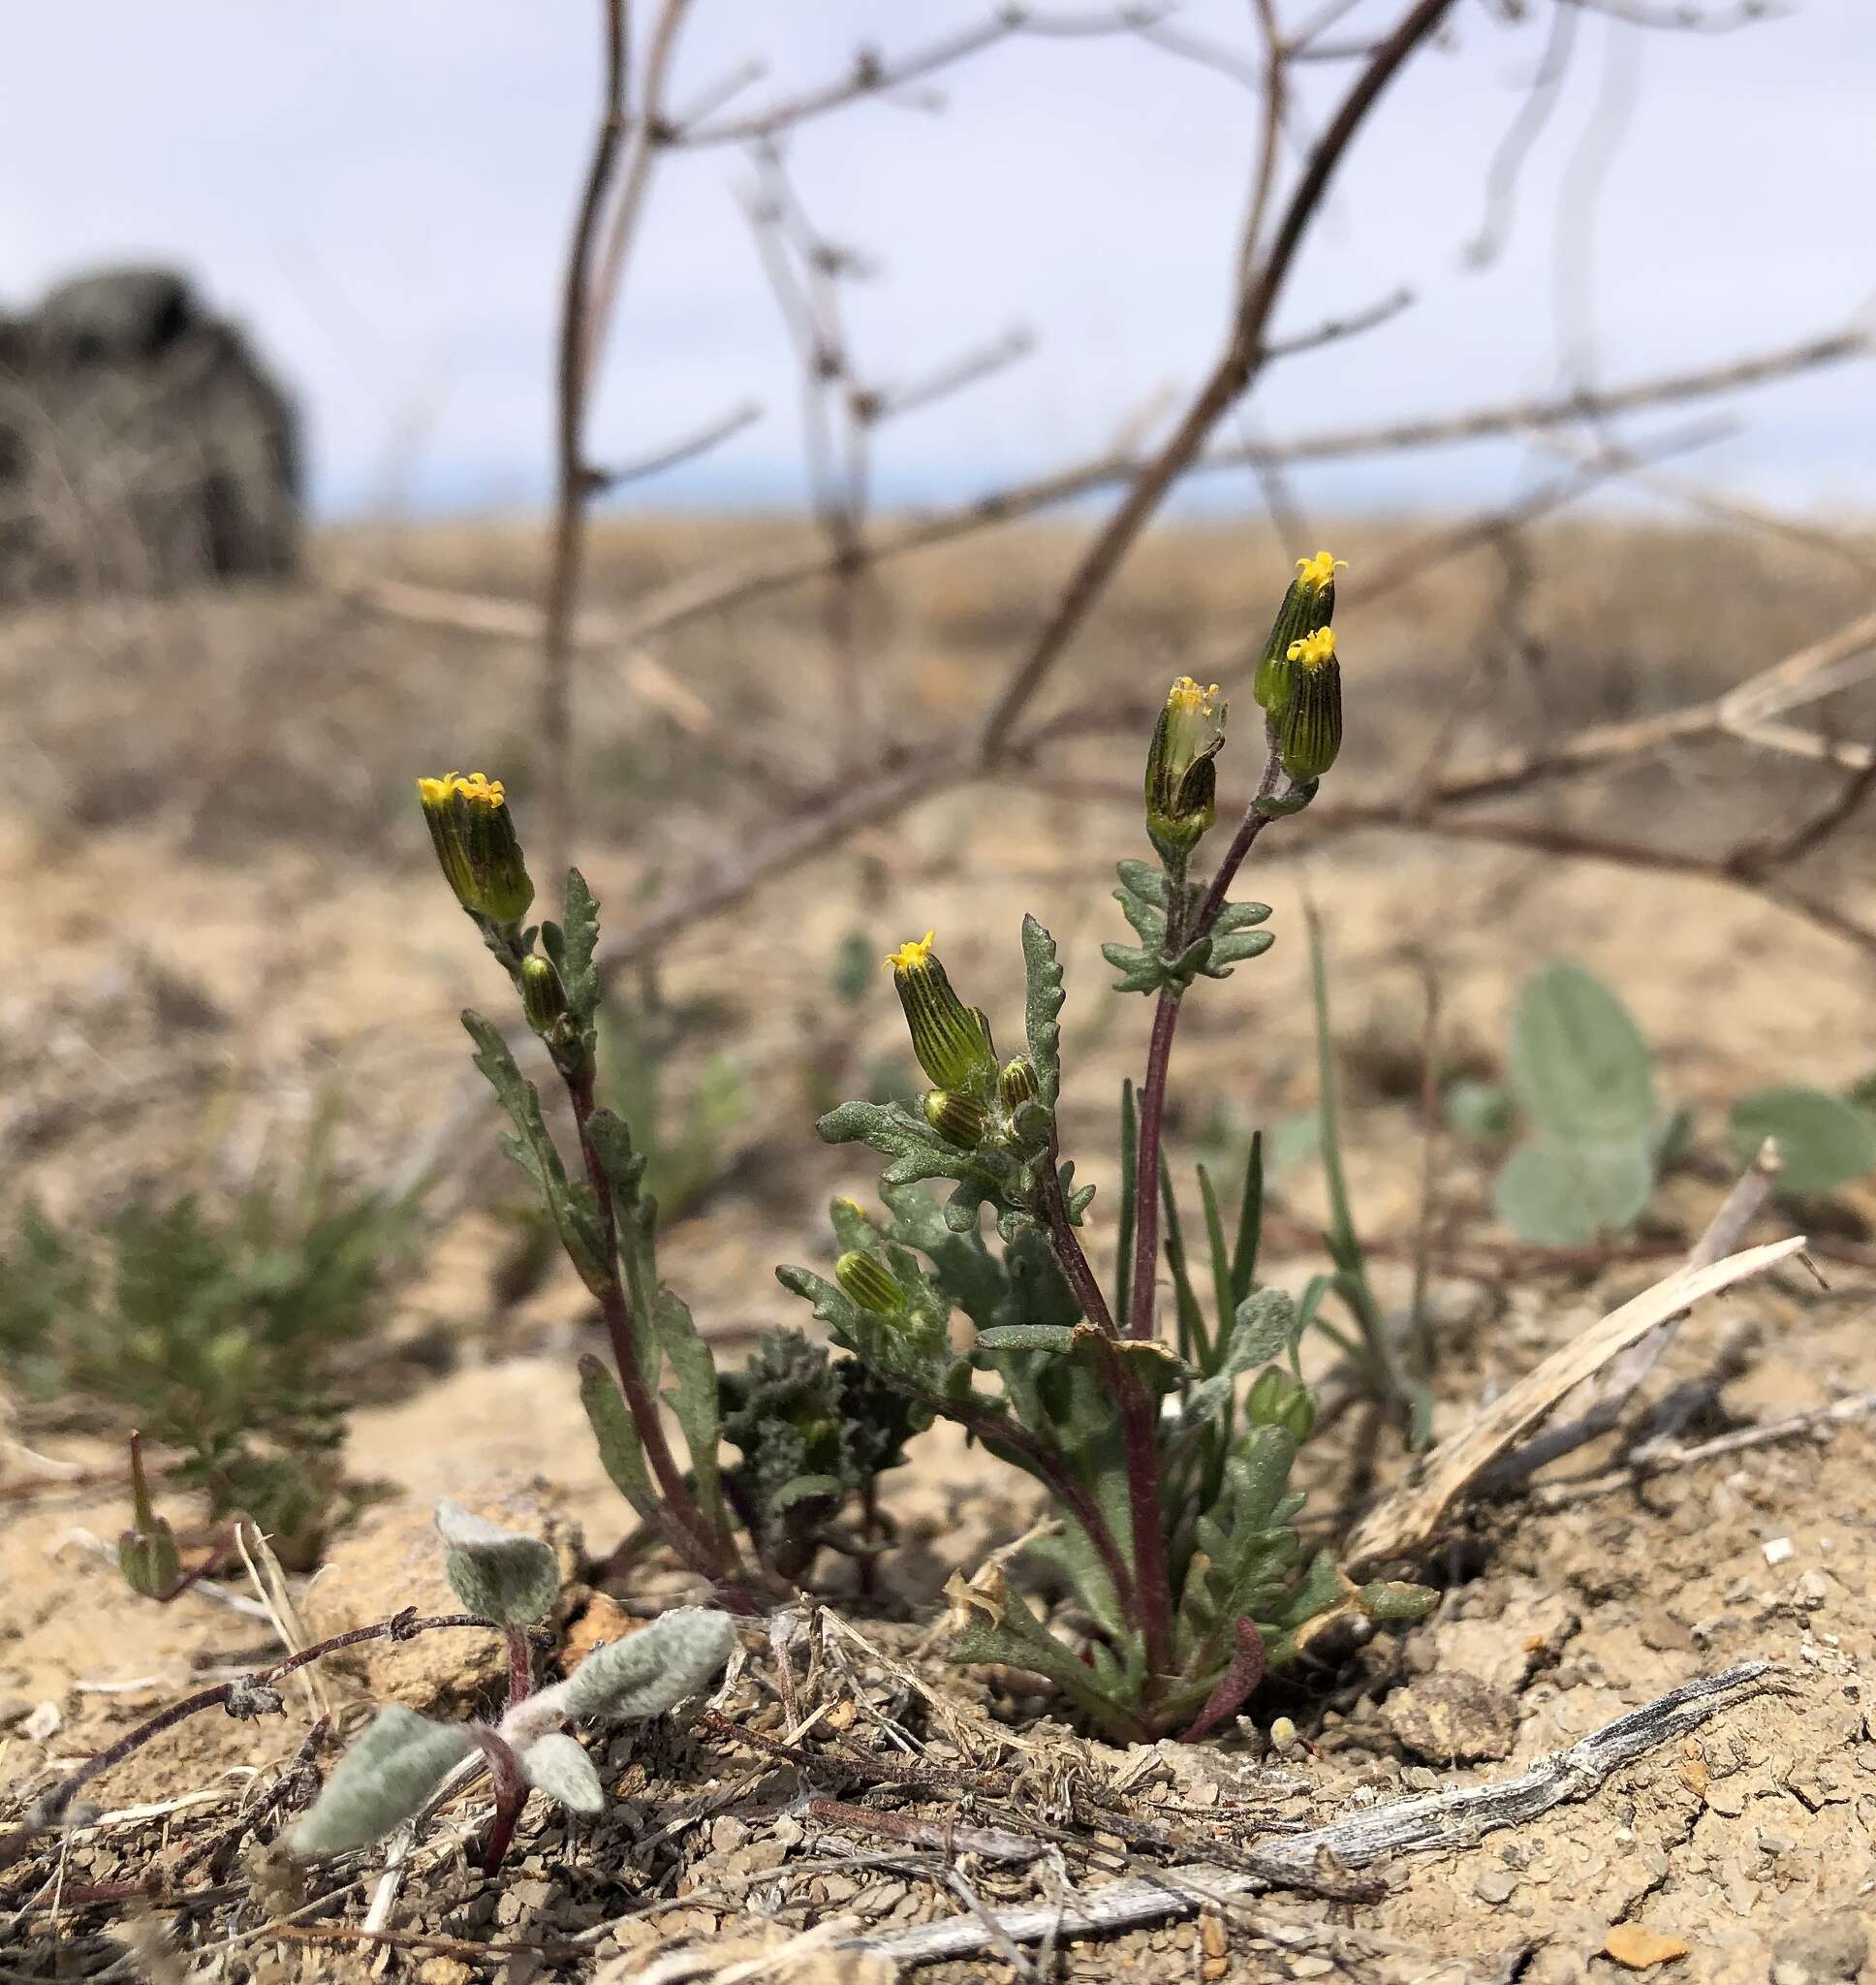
913 952
1313 651
1181 785
1319 571
950 1040
474 836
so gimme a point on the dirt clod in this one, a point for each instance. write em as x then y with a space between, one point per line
1834 1947
1455 1719
1638 1948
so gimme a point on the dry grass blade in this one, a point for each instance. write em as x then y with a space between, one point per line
1407 1522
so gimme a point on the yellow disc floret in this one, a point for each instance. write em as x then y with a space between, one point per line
914 952
1314 650
474 785
1187 700
1319 571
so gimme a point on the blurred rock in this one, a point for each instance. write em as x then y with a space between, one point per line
143 446
1454 1717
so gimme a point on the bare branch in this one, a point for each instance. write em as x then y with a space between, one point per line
886 403
570 409
1686 18
1441 1822
873 74
1331 330
725 427
1231 378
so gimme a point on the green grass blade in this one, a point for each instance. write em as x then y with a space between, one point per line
1191 1318
1223 1305
1250 1225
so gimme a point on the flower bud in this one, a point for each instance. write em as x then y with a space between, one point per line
952 1042
1298 1415
954 1117
1307 608
1181 785
1017 1083
1309 729
1263 1403
475 842
146 1553
543 998
866 1283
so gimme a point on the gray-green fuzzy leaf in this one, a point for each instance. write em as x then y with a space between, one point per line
620 1452
1579 1063
1043 1004
382 1780
1565 1194
1824 1142
648 1671
557 1765
505 1575
692 1396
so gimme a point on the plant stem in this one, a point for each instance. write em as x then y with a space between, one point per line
511 1795
1146 1176
704 1552
1067 1245
1146 1597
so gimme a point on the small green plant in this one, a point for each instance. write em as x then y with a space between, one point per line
403 1759
216 1333
1169 1458
1176 1530
800 1468
1596 1139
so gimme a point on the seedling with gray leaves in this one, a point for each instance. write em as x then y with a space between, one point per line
402 1761
1592 1135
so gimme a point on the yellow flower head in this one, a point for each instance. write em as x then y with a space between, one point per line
474 836
475 785
1314 650
914 952
1319 571
1185 699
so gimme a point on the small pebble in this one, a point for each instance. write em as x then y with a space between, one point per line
1778 1550
1494 1886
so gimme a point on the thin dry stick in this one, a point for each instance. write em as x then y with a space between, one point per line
1599 1401
571 486
1231 378
1653 1460
1443 1822
718 591
1405 1523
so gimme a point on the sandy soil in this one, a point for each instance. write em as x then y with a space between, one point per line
227 926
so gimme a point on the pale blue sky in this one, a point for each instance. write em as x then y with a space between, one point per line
382 190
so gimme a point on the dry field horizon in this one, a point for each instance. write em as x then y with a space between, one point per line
228 922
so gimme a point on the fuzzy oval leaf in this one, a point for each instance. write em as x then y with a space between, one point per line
382 1780
1824 1142
1579 1063
554 1764
646 1672
505 1575
1558 1194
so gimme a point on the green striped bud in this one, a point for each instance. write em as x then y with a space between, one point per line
1309 729
474 836
543 998
1016 1083
1307 608
956 1119
951 1041
866 1283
